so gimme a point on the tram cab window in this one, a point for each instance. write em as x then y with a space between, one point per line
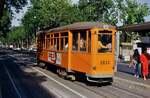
104 42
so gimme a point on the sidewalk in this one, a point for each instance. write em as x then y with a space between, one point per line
126 76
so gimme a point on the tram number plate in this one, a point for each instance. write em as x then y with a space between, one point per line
104 62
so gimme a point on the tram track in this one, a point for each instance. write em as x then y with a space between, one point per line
110 91
92 89
128 91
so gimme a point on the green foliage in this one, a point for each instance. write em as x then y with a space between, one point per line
5 23
16 34
50 14
53 13
131 12
98 10
6 13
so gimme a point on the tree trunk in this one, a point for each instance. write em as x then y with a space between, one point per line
2 2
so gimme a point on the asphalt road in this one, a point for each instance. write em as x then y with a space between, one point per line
19 79
16 83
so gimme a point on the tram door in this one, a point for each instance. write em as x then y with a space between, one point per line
81 50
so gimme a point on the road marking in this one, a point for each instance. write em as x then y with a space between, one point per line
12 81
77 93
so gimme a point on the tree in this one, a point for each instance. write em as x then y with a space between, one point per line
5 23
6 13
16 36
131 12
98 10
47 14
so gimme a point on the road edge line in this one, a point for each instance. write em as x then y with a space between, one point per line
17 91
77 93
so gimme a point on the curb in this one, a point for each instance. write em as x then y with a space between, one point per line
123 63
130 82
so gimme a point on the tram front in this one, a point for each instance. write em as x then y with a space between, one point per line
103 56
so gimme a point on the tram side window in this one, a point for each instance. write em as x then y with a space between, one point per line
57 40
83 41
66 44
47 42
89 41
80 41
43 42
64 41
62 44
55 44
75 41
51 44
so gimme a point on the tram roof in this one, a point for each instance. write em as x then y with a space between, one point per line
141 27
82 25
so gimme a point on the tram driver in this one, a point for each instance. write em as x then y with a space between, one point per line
103 44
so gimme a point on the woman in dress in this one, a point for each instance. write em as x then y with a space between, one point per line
144 62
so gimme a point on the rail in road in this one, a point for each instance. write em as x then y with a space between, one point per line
56 86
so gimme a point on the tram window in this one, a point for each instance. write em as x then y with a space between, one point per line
104 43
62 44
89 42
51 43
75 41
43 43
57 43
83 41
66 44
47 36
47 41
64 34
56 35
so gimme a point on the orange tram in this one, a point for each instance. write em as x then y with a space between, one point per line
86 48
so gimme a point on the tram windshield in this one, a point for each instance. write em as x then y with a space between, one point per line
104 41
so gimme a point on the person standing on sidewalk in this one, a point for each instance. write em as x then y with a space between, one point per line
144 62
136 62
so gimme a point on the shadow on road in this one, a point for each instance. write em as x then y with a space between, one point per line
28 82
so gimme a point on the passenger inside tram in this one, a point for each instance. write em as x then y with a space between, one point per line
104 43
82 44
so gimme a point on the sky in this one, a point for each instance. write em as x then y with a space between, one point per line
16 21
